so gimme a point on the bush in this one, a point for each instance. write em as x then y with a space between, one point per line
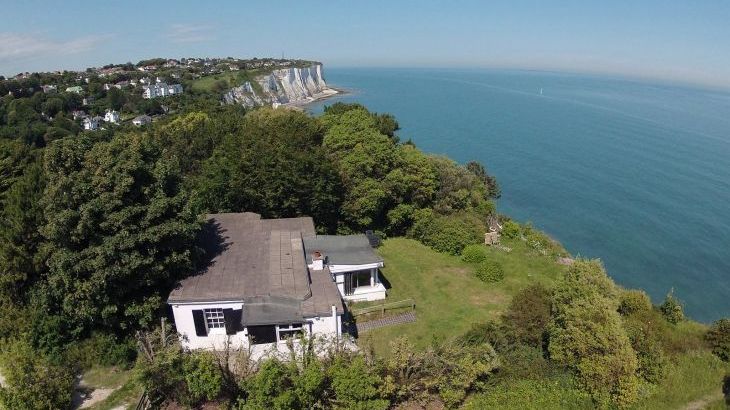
202 376
103 349
489 271
528 315
511 230
474 253
719 339
32 381
356 386
269 388
491 332
633 301
448 234
672 309
652 362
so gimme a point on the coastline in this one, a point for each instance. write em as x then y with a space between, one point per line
328 93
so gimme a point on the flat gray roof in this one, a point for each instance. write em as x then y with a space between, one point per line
342 249
254 258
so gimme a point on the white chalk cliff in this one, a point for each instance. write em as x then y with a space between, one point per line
282 86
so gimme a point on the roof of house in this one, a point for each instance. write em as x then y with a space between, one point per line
254 259
342 249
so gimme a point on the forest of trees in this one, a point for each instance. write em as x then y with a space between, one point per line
95 229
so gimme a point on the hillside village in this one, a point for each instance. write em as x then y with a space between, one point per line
59 103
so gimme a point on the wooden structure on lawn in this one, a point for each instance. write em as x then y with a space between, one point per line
492 237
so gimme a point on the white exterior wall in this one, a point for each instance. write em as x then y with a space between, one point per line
376 290
327 325
216 338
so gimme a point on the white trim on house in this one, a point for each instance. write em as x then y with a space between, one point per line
216 338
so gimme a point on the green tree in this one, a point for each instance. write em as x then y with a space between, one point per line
273 166
718 336
528 315
672 309
21 262
116 98
355 385
31 381
587 336
118 230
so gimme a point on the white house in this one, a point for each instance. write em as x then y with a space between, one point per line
91 123
161 90
350 261
111 116
256 290
141 120
75 89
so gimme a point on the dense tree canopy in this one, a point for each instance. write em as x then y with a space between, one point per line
118 230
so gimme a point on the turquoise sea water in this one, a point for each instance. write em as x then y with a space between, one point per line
636 174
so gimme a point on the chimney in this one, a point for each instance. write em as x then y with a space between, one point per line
317 260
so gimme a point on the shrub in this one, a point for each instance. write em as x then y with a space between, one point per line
511 230
489 271
356 386
586 335
474 253
652 362
32 381
491 332
633 301
104 349
269 388
726 388
528 315
458 370
719 339
672 309
448 234
202 376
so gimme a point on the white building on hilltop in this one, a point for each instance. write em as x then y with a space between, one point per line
162 90
111 116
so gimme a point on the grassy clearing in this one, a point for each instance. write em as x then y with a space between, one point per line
234 79
449 298
126 392
694 377
691 377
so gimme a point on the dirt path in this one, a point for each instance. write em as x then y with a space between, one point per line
705 401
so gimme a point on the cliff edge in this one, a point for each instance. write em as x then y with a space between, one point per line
291 86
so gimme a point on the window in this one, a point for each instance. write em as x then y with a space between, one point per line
354 280
262 334
288 331
214 318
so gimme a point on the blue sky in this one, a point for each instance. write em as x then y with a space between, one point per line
688 41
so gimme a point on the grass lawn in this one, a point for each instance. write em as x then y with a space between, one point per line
126 392
449 299
234 79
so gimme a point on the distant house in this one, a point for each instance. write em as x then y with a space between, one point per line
111 116
48 89
78 114
91 123
161 90
142 120
88 100
122 84
75 89
108 86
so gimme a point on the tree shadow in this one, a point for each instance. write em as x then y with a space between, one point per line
384 280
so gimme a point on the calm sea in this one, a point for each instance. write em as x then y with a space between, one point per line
636 174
